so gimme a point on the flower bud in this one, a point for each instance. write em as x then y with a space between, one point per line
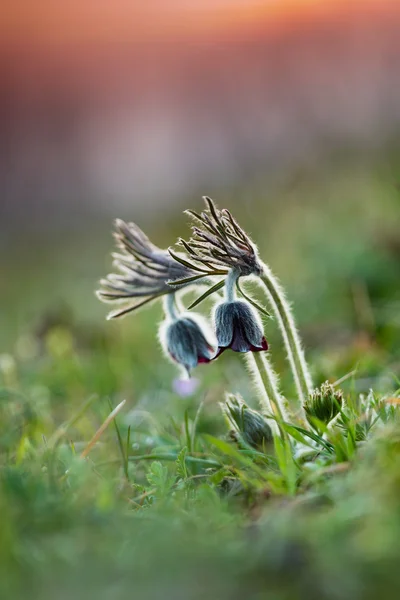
251 425
185 341
238 327
324 404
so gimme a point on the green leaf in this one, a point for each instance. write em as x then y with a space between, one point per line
327 445
159 478
184 262
187 431
124 311
173 282
210 291
286 463
181 469
195 423
296 435
124 456
171 456
249 299
243 458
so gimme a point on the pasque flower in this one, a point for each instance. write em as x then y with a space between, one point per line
186 341
144 271
238 327
219 247
218 242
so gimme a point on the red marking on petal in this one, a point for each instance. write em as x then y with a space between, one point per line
264 346
204 359
250 348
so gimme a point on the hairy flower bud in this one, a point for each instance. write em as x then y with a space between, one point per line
238 327
251 425
185 341
324 404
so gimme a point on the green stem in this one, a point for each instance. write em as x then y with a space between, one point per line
267 380
291 338
270 383
124 456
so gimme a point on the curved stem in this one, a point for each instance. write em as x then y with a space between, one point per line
291 338
170 306
270 398
230 285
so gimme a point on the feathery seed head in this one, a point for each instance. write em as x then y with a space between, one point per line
144 270
219 243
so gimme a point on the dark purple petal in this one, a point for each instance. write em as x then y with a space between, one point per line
238 328
264 346
239 343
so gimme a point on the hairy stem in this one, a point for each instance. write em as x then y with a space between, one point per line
171 308
270 398
230 285
291 338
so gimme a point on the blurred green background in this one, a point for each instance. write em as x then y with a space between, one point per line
331 234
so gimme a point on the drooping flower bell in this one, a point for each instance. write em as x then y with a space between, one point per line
238 327
186 339
237 324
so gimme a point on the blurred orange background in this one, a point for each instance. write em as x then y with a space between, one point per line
102 20
118 107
